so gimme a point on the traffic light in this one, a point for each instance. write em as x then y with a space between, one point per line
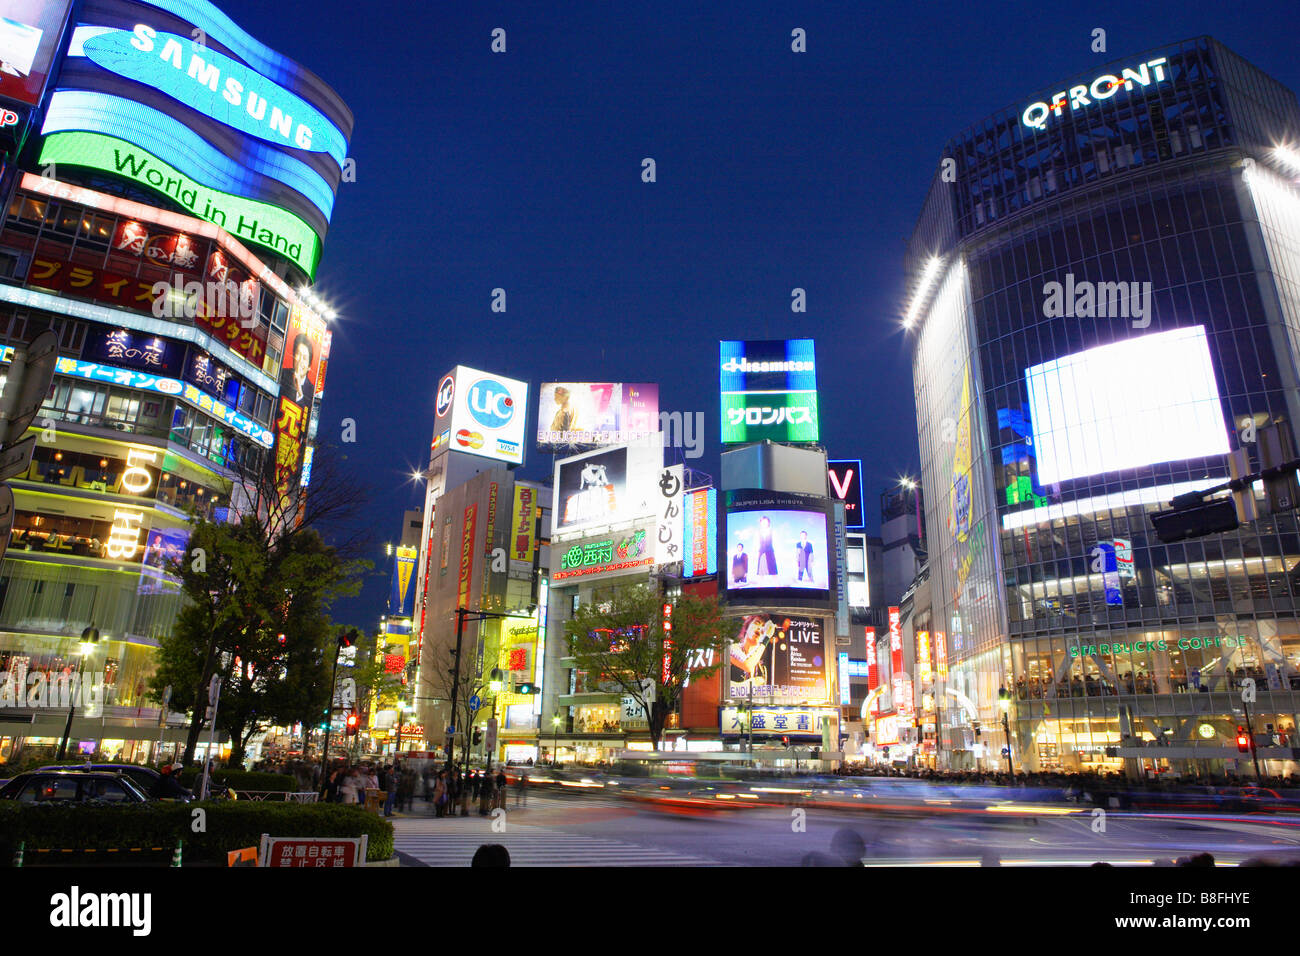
1243 740
478 737
353 722
527 689
785 741
1195 519
1276 452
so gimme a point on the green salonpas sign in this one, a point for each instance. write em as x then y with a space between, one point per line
247 220
779 416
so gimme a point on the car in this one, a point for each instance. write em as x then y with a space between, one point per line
72 786
145 778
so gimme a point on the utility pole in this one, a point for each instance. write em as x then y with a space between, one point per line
1250 731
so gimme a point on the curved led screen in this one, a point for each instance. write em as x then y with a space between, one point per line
219 28
172 140
248 220
217 86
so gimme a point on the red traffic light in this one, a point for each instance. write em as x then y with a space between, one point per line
351 723
1243 740
785 741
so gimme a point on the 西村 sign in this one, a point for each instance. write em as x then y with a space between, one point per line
1036 115
248 220
604 555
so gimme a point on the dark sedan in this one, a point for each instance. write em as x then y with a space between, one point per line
72 786
150 781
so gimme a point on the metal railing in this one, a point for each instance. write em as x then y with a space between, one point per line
286 796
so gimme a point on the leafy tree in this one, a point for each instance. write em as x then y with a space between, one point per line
622 643
258 594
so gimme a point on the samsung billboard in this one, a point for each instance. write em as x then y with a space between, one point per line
183 84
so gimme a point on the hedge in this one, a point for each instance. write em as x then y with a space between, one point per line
241 779
231 825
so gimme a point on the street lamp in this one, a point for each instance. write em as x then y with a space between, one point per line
1004 701
89 638
401 712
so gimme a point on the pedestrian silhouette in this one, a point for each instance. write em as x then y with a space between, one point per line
491 854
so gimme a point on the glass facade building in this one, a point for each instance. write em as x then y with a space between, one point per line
1106 300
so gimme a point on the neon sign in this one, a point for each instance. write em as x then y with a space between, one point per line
216 86
248 219
151 129
1103 87
95 372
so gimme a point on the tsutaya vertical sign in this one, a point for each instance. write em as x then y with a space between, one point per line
1103 87
124 538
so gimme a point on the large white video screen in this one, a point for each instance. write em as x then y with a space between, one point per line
1137 402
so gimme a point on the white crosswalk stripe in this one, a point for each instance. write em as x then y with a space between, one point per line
434 843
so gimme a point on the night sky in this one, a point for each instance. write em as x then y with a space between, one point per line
775 170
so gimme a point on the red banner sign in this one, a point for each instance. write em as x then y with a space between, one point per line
110 288
466 557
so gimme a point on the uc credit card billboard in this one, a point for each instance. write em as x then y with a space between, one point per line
768 390
480 413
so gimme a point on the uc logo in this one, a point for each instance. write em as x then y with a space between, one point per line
446 389
490 403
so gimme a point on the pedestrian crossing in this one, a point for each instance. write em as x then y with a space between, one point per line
452 842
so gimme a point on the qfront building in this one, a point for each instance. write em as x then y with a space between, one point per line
1105 303
165 204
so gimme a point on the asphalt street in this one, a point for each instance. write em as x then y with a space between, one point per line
597 830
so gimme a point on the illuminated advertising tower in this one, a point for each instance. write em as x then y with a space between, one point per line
1101 311
781 560
165 218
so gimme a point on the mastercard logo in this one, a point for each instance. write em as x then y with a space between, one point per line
468 439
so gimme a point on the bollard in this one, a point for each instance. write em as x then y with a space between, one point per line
18 854
176 854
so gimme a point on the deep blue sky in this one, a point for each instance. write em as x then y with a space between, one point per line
775 170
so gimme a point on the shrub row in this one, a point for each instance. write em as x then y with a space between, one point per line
241 779
230 825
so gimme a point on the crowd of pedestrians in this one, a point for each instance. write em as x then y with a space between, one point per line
454 792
